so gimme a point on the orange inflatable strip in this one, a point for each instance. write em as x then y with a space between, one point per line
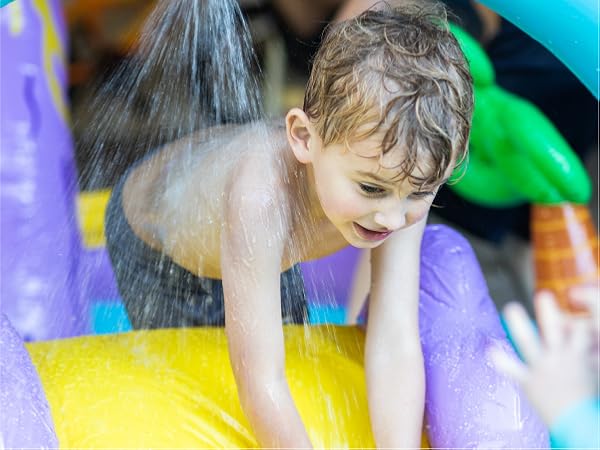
554 253
565 245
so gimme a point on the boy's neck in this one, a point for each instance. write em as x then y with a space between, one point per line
310 225
302 184
316 210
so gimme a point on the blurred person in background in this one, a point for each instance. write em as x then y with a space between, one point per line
559 372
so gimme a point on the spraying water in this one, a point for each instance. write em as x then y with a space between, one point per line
193 67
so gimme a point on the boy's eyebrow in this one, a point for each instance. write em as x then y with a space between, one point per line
374 177
382 180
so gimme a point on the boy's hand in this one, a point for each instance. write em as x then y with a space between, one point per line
557 371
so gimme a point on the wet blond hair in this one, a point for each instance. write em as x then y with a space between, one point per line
401 69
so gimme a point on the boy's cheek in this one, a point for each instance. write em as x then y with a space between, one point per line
341 205
347 210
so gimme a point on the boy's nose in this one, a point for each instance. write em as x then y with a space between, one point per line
392 218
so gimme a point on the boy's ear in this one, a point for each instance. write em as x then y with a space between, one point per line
301 134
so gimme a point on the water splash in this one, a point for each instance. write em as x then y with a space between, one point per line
192 67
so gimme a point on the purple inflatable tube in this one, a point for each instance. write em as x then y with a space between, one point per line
25 420
468 403
40 239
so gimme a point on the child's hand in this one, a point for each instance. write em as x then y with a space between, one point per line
558 369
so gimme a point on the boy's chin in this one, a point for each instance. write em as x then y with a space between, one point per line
364 245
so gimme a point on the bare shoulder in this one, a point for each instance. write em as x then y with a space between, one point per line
177 199
257 185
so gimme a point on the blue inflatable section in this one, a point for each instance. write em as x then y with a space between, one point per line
568 28
110 316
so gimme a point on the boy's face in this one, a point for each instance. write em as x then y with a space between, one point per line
363 195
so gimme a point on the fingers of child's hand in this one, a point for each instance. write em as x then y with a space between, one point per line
550 319
581 336
588 297
523 332
508 364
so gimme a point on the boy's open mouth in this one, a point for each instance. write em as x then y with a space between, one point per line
370 235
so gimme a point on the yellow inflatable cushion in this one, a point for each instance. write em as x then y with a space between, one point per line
175 388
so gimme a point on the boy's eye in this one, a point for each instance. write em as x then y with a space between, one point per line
370 189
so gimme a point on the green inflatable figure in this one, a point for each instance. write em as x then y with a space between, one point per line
516 154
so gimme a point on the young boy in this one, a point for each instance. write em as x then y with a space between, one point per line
210 229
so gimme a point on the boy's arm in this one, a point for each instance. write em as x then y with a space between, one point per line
251 265
393 355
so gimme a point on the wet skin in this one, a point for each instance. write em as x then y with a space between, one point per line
346 195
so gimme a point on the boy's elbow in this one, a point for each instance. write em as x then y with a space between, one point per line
404 341
411 346
259 394
396 356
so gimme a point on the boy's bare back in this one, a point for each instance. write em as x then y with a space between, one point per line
176 199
